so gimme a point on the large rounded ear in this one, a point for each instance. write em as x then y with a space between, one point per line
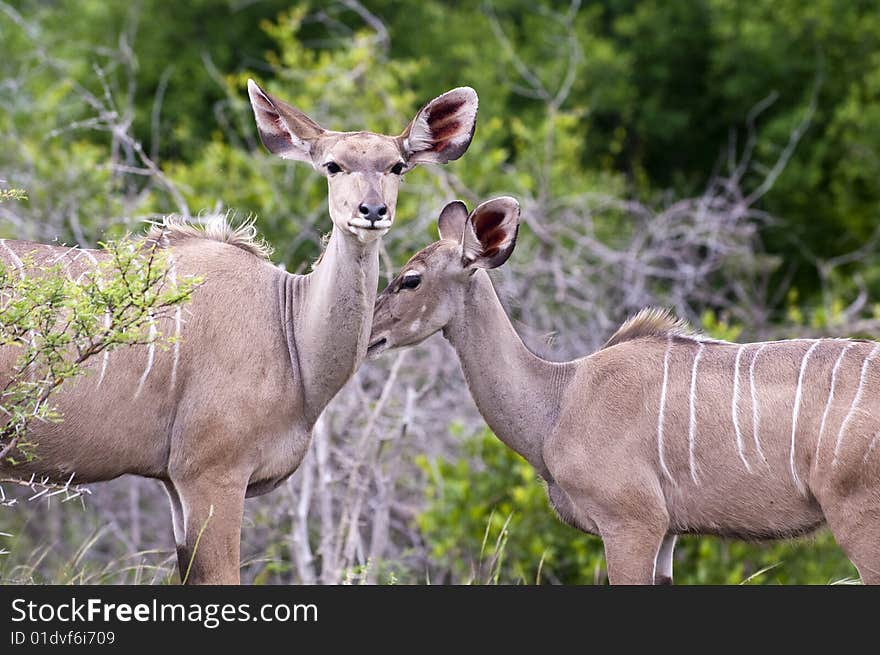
284 130
490 233
452 220
442 130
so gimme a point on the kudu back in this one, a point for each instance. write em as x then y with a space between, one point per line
663 431
227 411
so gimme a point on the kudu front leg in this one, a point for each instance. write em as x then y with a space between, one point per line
212 511
177 524
663 564
633 523
631 554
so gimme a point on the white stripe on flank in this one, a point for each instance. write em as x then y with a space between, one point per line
754 394
662 410
692 431
734 408
830 400
795 411
60 257
150 356
855 401
16 262
176 355
91 257
106 357
871 447
172 274
104 362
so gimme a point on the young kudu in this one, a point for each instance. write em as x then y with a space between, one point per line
663 431
227 411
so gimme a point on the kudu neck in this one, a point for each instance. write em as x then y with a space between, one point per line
518 393
330 313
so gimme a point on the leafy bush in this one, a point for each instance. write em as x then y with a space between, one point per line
490 495
58 323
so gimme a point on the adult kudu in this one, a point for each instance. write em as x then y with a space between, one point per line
227 411
663 431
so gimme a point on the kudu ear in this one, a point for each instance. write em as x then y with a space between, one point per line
490 233
452 220
442 130
284 130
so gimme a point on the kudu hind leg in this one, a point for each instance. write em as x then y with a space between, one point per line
212 509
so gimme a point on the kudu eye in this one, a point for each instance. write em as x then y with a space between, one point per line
410 281
333 167
397 169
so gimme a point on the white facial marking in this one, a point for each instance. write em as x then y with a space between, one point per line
855 401
662 410
794 414
754 394
692 430
357 221
830 400
415 326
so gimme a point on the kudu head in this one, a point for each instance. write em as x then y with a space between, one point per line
363 169
432 288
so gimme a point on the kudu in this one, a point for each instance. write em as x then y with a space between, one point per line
227 411
663 431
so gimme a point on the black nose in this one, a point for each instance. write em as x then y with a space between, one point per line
372 212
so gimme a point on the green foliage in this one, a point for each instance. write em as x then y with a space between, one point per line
58 323
718 327
656 88
12 194
491 495
646 75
